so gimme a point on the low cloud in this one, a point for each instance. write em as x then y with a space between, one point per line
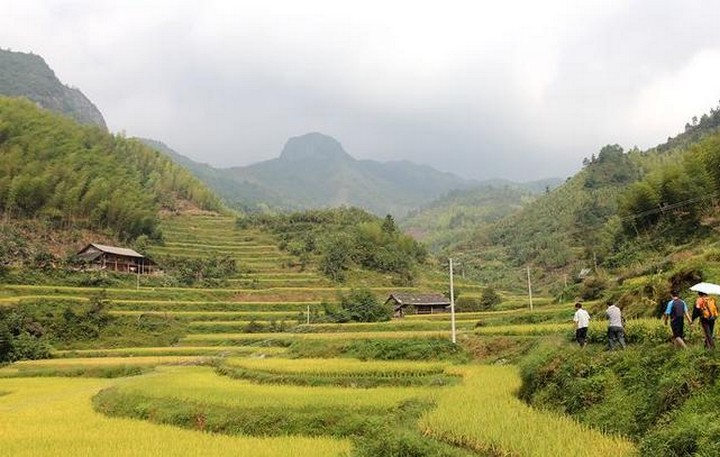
521 89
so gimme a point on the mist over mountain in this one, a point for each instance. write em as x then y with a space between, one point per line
315 147
315 171
28 75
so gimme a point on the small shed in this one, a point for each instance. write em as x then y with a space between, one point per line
418 303
113 258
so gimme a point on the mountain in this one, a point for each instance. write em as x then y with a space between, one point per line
27 75
236 194
314 171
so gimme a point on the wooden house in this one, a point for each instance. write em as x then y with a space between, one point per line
112 258
418 303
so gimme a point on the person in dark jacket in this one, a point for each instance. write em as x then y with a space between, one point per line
676 310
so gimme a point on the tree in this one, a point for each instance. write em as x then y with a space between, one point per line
388 225
489 298
360 305
336 258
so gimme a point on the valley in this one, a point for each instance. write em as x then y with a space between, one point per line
299 306
277 392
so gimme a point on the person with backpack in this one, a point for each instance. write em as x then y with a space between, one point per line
676 309
706 310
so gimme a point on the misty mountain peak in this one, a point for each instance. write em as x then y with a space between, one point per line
312 147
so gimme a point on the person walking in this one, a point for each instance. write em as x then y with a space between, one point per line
582 321
706 310
615 332
675 310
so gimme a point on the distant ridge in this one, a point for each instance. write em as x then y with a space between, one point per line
314 171
28 75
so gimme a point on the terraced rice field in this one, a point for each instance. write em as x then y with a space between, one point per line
243 387
505 426
480 413
55 417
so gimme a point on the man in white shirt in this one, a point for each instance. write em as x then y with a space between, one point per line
616 333
582 321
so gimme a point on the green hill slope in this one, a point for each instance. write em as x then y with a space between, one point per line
457 216
27 75
634 223
71 175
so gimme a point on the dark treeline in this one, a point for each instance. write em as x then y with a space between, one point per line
72 175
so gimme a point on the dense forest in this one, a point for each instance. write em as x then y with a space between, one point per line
73 175
343 238
459 214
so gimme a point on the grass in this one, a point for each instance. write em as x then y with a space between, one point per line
345 373
232 338
339 366
108 367
54 417
215 315
484 415
207 351
201 384
396 325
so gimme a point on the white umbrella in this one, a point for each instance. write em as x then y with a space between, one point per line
706 287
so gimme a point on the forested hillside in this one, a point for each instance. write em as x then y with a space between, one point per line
342 240
625 214
457 216
27 75
67 174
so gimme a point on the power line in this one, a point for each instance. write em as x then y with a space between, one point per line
670 207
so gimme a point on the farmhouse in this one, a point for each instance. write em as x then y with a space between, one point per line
112 258
418 303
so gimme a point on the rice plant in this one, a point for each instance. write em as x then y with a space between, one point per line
483 414
54 417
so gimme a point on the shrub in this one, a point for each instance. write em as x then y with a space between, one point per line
592 287
467 304
648 395
359 305
489 298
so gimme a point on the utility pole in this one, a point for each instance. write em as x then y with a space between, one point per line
308 314
452 303
595 261
529 288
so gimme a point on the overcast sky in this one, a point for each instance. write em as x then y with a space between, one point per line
515 89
